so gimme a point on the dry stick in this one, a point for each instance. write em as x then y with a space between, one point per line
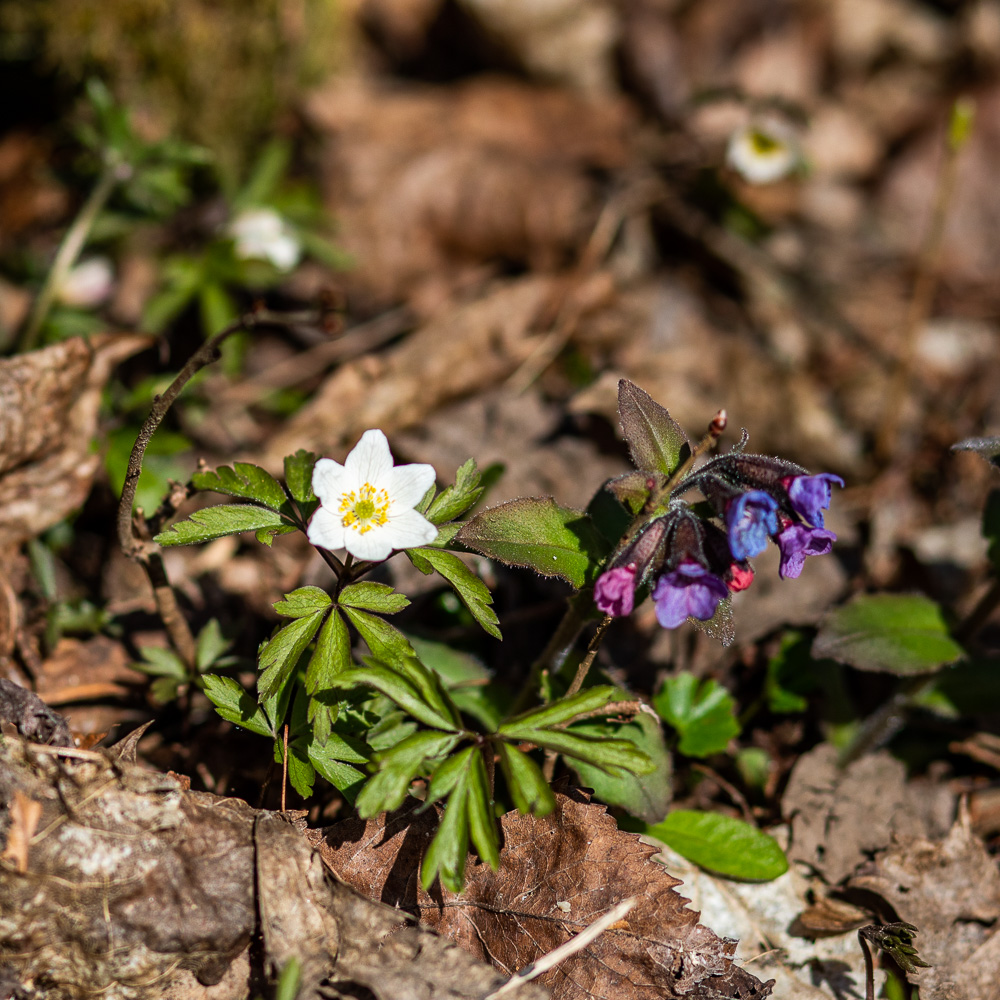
131 528
925 284
551 959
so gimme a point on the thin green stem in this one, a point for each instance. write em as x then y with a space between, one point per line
66 256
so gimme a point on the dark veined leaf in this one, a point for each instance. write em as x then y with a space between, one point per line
609 516
562 711
537 533
236 705
655 440
472 592
529 791
298 475
396 769
448 850
453 501
403 691
279 655
302 602
247 481
646 796
702 712
332 655
370 596
719 843
214 522
893 633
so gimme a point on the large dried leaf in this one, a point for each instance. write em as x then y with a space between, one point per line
133 887
556 876
49 402
469 348
949 890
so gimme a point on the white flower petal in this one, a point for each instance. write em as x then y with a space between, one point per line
409 529
329 481
326 530
370 460
373 546
406 484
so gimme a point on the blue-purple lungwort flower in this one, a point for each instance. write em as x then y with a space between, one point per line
751 518
690 590
797 541
810 495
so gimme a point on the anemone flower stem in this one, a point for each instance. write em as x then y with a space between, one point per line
72 243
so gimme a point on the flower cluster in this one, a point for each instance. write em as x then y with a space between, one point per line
692 562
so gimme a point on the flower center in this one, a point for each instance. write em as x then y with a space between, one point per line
364 509
763 144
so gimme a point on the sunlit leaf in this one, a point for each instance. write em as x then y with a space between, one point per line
473 593
453 501
702 712
279 655
655 440
236 705
371 596
215 522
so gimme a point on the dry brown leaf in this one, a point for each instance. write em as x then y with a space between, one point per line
840 816
557 875
49 402
25 813
950 890
426 184
472 346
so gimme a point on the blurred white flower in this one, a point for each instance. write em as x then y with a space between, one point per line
262 234
764 150
87 285
367 503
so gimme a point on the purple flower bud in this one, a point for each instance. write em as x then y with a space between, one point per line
797 541
750 518
614 591
688 591
810 495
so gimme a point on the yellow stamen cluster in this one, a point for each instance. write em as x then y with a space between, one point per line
365 509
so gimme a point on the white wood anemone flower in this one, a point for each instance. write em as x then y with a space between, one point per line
764 151
367 503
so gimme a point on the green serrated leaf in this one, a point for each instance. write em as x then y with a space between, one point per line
266 535
215 522
159 662
369 596
702 712
211 645
482 821
537 533
302 602
655 441
332 655
720 843
244 480
345 778
468 682
472 592
450 847
298 475
396 769
646 796
603 753
453 501
385 641
301 773
448 774
280 654
236 705
529 790
402 690
901 634
562 711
